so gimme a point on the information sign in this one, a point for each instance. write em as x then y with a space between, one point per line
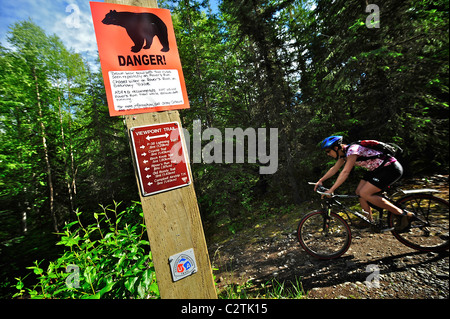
139 58
160 157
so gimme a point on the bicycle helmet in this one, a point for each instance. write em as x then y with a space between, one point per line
331 141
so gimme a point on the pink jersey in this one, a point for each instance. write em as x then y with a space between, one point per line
370 164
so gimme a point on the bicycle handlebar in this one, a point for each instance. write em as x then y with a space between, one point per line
321 190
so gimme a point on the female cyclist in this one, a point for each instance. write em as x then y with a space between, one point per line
382 172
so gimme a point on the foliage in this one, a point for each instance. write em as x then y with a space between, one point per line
309 68
386 82
106 259
272 289
59 147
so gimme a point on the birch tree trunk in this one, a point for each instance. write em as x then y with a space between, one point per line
45 148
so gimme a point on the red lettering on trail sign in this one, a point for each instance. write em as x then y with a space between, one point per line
160 157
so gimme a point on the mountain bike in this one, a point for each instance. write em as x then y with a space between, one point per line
326 234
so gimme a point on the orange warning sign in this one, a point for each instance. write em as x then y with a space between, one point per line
139 58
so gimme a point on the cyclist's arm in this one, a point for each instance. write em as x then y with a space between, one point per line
331 172
345 172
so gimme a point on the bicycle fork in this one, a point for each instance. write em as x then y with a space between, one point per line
326 222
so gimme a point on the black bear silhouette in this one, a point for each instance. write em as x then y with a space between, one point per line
140 27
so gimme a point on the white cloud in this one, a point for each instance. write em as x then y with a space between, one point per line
70 20
73 25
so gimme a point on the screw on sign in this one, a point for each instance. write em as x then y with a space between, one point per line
160 157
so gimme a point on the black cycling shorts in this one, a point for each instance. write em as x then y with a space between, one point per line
384 176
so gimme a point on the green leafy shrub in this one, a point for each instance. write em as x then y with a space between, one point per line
107 259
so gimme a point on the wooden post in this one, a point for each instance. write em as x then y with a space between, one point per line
173 219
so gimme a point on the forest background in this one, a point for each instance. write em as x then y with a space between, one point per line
309 68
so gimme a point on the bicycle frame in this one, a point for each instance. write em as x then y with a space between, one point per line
333 202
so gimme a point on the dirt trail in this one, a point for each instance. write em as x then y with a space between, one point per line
403 272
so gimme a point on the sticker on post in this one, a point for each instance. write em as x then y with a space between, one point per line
183 264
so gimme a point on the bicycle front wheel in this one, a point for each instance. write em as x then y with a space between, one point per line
430 232
323 235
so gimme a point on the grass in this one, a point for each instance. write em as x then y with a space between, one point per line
272 289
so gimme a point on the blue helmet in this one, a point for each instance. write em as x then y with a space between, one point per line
331 141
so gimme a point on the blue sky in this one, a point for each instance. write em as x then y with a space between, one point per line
70 20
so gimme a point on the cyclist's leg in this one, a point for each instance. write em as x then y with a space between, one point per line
364 204
369 192
377 181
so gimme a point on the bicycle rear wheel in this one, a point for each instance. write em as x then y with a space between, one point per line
431 231
324 236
